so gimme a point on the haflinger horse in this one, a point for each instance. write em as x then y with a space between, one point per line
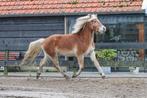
79 43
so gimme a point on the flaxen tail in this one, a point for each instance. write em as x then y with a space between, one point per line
33 50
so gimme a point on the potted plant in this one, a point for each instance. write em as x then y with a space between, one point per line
106 58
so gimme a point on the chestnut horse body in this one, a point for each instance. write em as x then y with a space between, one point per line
79 44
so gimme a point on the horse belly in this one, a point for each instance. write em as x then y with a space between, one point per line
67 52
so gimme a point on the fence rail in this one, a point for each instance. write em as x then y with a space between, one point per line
125 51
133 45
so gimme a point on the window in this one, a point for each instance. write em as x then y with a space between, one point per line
71 22
119 33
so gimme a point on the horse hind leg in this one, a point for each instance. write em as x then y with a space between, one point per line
57 66
40 69
81 66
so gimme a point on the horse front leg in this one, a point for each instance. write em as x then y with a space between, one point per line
96 63
57 66
81 66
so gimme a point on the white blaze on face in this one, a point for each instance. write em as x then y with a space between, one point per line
102 29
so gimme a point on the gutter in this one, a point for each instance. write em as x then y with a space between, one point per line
72 14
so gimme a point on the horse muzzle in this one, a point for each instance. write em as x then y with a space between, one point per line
102 29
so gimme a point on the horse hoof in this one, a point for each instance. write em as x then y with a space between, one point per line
38 75
103 77
67 78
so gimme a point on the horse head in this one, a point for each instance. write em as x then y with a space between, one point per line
95 25
91 21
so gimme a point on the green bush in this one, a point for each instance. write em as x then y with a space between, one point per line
107 54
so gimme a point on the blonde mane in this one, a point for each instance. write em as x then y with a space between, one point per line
81 21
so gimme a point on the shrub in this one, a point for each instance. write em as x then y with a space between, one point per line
108 54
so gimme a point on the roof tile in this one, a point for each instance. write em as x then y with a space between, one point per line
8 7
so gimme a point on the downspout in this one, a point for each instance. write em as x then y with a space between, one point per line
142 30
144 6
65 25
65 30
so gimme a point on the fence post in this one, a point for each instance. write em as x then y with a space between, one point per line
6 60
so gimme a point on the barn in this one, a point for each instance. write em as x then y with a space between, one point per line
22 21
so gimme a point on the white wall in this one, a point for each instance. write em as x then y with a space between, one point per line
144 5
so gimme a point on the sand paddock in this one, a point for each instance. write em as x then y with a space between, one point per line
47 87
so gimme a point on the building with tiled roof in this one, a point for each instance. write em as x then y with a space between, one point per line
66 7
22 21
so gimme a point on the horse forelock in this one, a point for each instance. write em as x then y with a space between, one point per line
81 21
93 16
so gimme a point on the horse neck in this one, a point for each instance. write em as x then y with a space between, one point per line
86 35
